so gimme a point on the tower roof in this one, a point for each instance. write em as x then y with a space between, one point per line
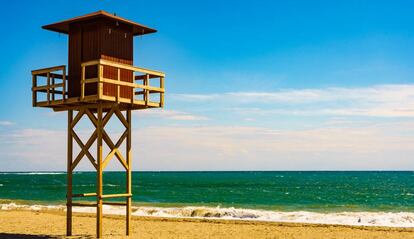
63 26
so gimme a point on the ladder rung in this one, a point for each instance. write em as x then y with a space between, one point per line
78 204
116 195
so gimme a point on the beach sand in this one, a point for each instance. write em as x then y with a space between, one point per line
51 224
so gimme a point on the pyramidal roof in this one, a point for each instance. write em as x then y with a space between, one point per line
63 26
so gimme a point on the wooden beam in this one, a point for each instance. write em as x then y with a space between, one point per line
46 70
84 195
77 118
116 195
99 129
108 158
83 83
91 117
121 139
84 149
121 158
69 176
121 118
45 91
64 83
78 204
34 93
54 75
114 203
129 173
45 87
162 94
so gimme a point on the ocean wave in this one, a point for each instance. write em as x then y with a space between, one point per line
33 173
387 219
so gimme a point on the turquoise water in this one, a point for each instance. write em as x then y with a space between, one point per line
285 191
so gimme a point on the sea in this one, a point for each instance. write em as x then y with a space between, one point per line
366 198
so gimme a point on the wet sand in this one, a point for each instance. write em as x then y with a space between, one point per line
51 224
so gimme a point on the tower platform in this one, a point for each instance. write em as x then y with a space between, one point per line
127 86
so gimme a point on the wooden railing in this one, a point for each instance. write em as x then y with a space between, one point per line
55 91
144 90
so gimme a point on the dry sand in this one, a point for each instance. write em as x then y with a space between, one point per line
51 224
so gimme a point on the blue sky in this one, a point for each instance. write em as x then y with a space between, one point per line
251 85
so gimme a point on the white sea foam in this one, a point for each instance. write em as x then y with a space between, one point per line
387 219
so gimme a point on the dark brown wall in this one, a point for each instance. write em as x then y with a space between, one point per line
99 39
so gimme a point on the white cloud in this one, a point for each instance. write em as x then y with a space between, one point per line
369 146
6 123
170 115
380 101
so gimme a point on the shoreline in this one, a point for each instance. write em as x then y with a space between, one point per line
18 223
366 219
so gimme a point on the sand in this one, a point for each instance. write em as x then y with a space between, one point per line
51 224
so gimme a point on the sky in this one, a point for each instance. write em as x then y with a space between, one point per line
250 85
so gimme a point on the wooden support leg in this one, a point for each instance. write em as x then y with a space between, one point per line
99 175
69 177
129 175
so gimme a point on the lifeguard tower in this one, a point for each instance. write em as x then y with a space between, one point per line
101 82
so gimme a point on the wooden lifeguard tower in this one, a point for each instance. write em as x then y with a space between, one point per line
101 82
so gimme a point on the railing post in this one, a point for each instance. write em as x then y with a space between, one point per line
48 88
53 89
83 83
146 91
34 92
117 85
162 93
133 89
64 83
100 80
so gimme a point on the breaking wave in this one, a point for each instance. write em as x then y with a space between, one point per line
387 219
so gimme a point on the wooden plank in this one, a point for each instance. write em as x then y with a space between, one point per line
116 195
54 75
64 83
129 173
91 117
108 158
56 92
121 158
78 204
90 80
114 203
45 87
47 70
48 88
84 149
123 66
132 68
34 93
108 116
100 83
83 83
121 139
77 118
117 85
162 94
84 195
142 77
90 63
99 130
121 118
69 176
